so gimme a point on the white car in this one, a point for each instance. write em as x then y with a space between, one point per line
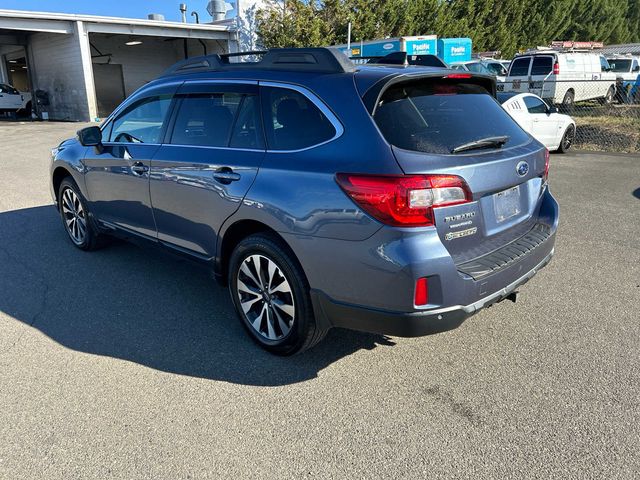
11 100
554 130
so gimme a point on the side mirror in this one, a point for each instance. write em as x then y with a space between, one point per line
90 136
551 110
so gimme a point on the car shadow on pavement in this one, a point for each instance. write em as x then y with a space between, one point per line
140 305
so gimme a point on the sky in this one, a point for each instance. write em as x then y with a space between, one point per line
114 8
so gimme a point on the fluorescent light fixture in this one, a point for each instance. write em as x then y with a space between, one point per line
13 61
133 42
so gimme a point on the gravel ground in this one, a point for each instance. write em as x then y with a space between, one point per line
127 363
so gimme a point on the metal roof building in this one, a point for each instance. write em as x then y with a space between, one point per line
632 48
86 65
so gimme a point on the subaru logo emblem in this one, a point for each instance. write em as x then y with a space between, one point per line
522 168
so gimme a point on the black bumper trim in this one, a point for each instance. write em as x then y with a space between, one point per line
402 324
507 255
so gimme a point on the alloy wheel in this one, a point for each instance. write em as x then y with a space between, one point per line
568 138
75 219
266 297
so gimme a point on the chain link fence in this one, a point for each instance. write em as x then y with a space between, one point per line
606 112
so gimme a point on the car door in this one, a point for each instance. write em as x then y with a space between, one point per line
541 70
518 78
544 125
117 172
210 157
10 98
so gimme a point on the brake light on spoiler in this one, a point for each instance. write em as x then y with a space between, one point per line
404 200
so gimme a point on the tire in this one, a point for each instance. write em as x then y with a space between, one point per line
271 296
26 112
568 99
567 139
609 97
76 218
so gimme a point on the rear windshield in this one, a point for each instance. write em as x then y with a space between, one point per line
520 67
438 116
619 65
542 65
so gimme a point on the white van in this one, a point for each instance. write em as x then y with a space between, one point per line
562 77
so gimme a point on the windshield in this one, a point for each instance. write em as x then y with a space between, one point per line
436 116
619 64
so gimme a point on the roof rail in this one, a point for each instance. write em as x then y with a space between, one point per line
314 60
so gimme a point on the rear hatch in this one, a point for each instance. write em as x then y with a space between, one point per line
452 124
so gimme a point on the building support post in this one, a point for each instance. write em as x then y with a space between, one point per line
87 68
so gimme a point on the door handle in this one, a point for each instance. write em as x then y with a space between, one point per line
139 169
225 176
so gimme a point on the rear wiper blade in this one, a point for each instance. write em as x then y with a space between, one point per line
482 143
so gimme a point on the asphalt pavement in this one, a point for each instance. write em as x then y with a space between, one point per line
129 363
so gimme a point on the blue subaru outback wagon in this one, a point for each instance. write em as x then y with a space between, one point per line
391 199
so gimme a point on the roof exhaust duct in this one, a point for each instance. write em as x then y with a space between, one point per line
217 9
183 11
158 17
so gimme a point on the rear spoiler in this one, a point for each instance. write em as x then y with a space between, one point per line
372 96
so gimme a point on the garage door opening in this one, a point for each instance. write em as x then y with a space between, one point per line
123 63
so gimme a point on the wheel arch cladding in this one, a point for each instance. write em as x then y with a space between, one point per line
237 232
59 174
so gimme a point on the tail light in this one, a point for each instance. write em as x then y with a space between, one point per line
556 68
545 176
404 200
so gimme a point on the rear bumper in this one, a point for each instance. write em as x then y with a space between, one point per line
414 324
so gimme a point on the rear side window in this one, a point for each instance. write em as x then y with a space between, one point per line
520 67
436 116
535 105
142 122
542 65
206 119
292 121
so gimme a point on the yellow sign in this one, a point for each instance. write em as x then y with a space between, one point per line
355 51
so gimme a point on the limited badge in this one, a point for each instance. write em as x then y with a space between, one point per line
461 233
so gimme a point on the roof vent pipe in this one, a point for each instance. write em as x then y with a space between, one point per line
183 11
158 17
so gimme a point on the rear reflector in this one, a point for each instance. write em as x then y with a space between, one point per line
545 176
422 292
404 200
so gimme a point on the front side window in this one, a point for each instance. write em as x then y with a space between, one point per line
436 116
542 66
142 122
535 105
206 119
520 67
292 121
604 65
